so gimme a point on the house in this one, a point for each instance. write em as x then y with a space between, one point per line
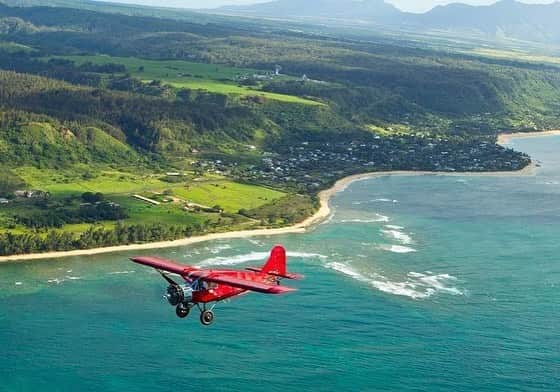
32 194
4 200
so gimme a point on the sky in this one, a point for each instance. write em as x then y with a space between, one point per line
406 5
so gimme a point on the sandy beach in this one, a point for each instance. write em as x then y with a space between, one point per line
322 214
505 138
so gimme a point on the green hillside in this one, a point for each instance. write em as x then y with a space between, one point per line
120 129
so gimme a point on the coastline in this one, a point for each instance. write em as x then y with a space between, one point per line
323 213
505 138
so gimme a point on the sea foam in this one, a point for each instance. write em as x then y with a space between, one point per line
63 279
397 248
121 272
398 235
416 286
376 219
218 248
384 200
252 256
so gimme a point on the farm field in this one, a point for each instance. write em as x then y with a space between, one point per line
516 55
184 74
67 186
82 179
228 195
170 214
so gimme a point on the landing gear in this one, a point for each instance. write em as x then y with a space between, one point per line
182 310
206 317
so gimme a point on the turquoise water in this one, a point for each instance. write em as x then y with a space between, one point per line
415 284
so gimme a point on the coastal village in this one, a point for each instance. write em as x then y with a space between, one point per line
311 166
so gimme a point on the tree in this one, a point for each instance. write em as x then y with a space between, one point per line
90 197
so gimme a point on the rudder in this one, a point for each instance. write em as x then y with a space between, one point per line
276 263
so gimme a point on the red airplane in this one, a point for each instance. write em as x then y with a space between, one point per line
205 287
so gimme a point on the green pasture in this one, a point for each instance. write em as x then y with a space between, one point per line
120 186
82 179
213 78
234 89
516 55
228 195
12 47
141 212
168 70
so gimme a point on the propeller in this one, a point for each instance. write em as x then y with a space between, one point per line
168 279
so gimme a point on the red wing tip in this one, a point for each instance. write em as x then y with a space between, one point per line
282 290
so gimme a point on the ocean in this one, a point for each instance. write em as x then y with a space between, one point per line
415 283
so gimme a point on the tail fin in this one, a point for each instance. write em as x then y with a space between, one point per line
276 263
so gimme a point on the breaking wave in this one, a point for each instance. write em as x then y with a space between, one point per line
397 248
416 286
346 270
255 242
384 200
64 279
328 220
378 218
121 272
218 248
403 238
253 256
437 282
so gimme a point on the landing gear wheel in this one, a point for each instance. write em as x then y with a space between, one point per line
206 317
182 311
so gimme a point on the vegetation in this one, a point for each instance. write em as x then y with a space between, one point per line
229 196
120 128
213 78
284 211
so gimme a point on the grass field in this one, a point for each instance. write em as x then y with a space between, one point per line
227 88
82 179
228 195
170 214
120 186
184 74
12 47
516 55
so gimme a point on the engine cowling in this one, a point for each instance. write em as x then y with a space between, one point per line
178 294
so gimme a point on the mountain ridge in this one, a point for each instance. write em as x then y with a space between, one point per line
321 8
508 19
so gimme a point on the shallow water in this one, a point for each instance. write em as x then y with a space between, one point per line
416 283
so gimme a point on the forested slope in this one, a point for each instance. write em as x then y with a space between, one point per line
91 104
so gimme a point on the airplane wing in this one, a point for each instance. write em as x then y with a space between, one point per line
163 265
241 283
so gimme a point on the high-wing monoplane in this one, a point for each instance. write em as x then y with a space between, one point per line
204 288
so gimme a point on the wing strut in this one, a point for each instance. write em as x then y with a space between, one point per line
167 278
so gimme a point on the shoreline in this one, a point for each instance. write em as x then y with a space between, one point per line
505 138
323 213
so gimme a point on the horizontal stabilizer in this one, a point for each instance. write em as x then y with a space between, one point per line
286 276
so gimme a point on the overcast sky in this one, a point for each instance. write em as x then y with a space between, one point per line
407 5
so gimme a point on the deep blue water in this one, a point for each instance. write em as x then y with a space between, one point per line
416 284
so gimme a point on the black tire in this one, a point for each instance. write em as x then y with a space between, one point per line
207 317
182 311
